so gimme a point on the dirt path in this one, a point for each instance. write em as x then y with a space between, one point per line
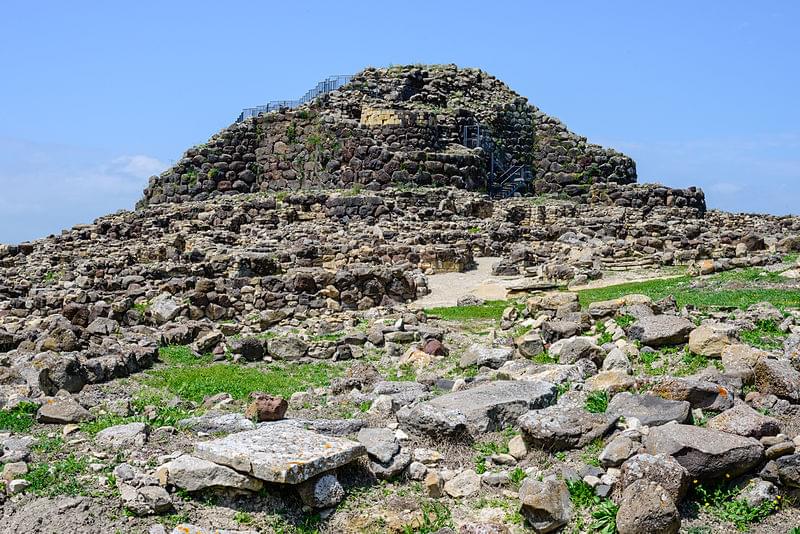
447 288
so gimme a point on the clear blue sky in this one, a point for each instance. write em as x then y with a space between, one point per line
96 96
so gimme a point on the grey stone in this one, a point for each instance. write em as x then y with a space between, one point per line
545 505
62 410
164 308
530 344
758 492
102 326
779 378
699 393
122 436
194 474
280 452
661 330
661 469
705 453
146 500
323 491
788 468
187 528
392 467
647 508
744 421
484 408
711 339
483 356
402 393
380 443
559 428
288 348
648 409
617 451
213 423
573 349
465 484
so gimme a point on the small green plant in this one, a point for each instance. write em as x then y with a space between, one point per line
435 516
562 388
544 358
624 321
402 373
291 133
19 418
365 406
592 451
604 336
491 309
722 501
517 475
243 518
46 444
596 402
581 494
605 517
473 230
561 456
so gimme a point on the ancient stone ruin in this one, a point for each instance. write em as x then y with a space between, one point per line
415 303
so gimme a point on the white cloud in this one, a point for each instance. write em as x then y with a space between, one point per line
140 166
725 188
47 187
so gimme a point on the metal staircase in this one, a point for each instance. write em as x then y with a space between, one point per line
505 178
331 83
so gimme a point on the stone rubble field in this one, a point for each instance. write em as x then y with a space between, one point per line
247 352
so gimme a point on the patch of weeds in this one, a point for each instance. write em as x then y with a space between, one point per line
180 355
46 444
491 309
58 478
544 358
19 418
173 520
722 502
590 454
581 494
517 475
365 406
562 388
473 230
435 516
142 307
243 518
690 363
561 456
604 336
766 335
402 373
596 402
334 336
624 321
484 450
470 371
194 383
605 517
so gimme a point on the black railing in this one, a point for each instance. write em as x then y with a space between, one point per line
504 178
331 83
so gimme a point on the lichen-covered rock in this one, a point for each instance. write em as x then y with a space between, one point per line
650 410
744 421
647 508
661 330
703 452
545 505
662 469
558 428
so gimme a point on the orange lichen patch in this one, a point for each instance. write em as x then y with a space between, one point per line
722 391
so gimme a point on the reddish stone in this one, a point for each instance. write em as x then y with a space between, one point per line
434 347
265 407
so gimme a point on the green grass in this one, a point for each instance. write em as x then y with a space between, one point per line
591 453
435 516
58 478
596 402
544 358
517 475
45 444
491 309
402 373
624 321
334 336
242 518
145 400
180 355
722 501
194 383
766 335
19 418
719 290
484 450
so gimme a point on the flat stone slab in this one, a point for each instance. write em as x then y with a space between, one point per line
703 452
484 408
650 410
280 452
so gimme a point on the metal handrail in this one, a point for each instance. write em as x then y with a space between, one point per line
331 83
